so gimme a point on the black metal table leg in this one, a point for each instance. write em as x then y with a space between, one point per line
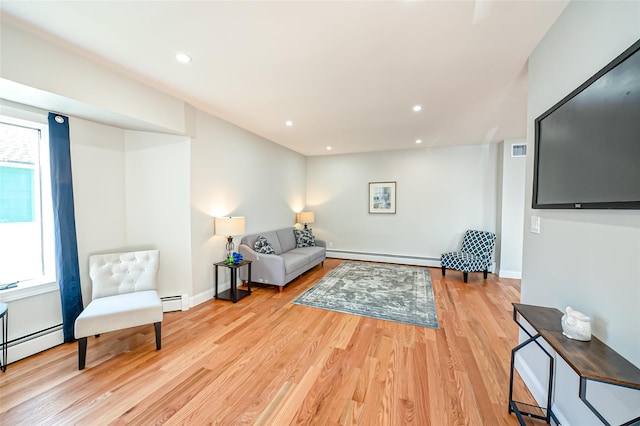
234 286
4 313
249 279
513 405
216 280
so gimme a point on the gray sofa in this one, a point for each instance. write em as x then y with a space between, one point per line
287 263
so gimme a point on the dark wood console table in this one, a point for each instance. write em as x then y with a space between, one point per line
591 360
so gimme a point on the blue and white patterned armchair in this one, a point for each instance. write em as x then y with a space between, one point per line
475 255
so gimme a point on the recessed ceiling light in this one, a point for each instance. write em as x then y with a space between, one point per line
288 123
418 140
417 108
328 148
183 57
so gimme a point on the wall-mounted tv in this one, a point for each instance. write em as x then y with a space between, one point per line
587 153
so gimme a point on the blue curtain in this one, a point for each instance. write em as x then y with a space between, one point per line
64 223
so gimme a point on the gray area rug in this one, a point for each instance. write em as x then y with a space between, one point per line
388 292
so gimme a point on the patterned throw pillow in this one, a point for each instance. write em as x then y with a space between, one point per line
263 246
305 238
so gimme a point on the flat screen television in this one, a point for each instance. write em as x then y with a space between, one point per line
587 146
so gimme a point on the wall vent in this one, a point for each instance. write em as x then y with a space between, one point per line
519 150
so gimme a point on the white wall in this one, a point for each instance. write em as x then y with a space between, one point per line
234 172
157 205
441 192
511 210
131 191
589 260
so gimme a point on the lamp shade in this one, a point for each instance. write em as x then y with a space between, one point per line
229 226
305 217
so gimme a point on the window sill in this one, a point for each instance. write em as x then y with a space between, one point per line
28 289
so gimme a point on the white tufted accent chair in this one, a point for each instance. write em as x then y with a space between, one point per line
123 295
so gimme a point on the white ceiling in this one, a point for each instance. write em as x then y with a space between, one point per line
347 73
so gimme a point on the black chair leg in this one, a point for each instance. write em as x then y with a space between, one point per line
158 335
443 270
466 276
485 274
82 352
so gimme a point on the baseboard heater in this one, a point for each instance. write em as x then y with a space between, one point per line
175 303
31 344
384 257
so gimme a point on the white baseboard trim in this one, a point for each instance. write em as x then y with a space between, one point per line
562 420
386 258
28 346
433 262
208 294
199 298
510 274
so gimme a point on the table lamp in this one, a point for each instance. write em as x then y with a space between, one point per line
304 217
228 227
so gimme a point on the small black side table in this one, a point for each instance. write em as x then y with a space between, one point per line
4 344
233 294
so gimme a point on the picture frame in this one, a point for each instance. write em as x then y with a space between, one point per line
382 197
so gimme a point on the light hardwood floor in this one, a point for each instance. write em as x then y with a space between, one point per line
267 361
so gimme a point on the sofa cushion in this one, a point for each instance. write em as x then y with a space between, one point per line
315 254
294 261
287 239
305 238
262 245
271 236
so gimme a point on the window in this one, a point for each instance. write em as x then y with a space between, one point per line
26 218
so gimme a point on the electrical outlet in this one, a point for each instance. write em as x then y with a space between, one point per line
330 244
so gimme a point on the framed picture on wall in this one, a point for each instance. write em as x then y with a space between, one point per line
382 197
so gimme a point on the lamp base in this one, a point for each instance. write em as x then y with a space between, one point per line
229 247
